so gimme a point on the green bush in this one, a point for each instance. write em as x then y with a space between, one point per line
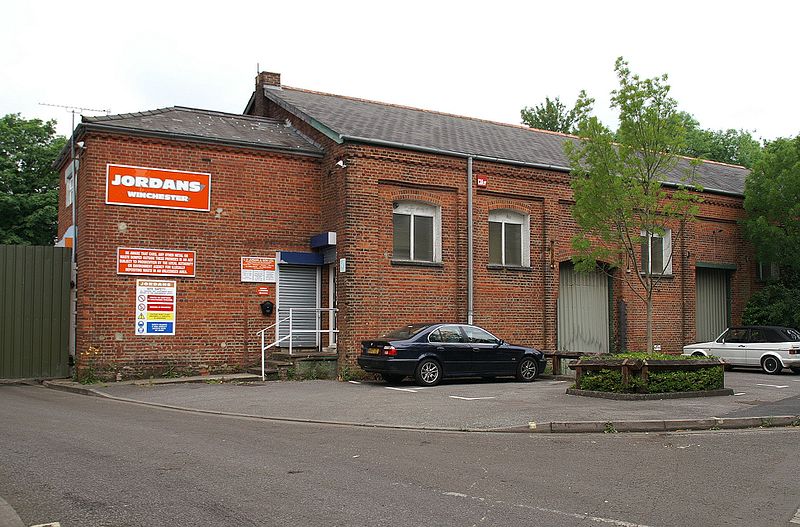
775 305
607 380
686 381
602 381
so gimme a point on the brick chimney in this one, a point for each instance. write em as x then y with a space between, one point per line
265 78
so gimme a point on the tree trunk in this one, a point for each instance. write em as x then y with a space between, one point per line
649 324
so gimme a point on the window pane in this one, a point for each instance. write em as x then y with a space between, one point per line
423 238
435 336
450 334
402 236
513 244
495 242
658 255
645 259
479 336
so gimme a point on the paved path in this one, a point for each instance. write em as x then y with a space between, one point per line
462 404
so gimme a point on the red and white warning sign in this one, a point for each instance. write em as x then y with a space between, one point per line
155 262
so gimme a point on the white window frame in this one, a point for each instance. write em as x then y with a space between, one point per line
69 177
417 208
666 252
768 271
507 216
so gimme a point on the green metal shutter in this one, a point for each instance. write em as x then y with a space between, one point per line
712 303
34 311
582 311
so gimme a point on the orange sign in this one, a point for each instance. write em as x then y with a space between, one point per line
157 187
155 262
257 269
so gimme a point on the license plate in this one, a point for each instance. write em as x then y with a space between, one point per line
374 351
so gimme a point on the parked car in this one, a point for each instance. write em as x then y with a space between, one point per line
429 352
771 348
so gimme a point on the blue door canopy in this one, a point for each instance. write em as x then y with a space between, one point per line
322 240
300 258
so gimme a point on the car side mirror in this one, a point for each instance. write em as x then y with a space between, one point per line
500 342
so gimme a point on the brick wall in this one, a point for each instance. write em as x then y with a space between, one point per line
261 202
519 305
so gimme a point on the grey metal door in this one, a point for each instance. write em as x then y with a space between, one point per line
712 303
582 310
298 288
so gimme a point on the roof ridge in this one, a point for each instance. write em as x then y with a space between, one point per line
117 116
435 112
711 161
228 114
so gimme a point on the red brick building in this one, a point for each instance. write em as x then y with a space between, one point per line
364 207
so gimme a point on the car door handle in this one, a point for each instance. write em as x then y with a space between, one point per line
439 348
741 345
476 349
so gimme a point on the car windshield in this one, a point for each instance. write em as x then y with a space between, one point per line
404 333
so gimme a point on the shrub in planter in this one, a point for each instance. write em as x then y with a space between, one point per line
661 376
685 381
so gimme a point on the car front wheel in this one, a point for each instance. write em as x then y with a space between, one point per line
428 373
771 365
527 370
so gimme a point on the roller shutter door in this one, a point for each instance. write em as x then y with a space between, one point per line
298 287
582 311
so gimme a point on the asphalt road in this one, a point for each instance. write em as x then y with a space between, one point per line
87 461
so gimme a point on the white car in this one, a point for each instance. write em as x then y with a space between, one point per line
771 348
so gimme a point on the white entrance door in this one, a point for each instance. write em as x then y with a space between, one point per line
582 310
298 289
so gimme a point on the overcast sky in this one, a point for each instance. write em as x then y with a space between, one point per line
732 64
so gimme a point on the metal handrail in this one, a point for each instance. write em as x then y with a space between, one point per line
292 331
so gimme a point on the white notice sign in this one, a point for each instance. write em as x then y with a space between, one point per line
155 307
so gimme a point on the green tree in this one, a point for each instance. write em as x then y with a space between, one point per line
735 147
28 183
772 203
621 207
550 115
776 304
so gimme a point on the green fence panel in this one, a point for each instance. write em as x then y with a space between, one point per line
34 311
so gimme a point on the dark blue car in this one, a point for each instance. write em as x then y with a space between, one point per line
429 352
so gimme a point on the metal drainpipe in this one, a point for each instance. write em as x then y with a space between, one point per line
470 293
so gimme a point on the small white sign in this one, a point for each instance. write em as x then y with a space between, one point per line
342 265
656 347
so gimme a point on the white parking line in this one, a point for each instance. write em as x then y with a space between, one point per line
796 517
771 385
469 398
354 382
410 390
572 515
740 393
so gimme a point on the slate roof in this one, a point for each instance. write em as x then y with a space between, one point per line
351 118
205 125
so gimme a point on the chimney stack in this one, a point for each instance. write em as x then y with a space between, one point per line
267 78
264 79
